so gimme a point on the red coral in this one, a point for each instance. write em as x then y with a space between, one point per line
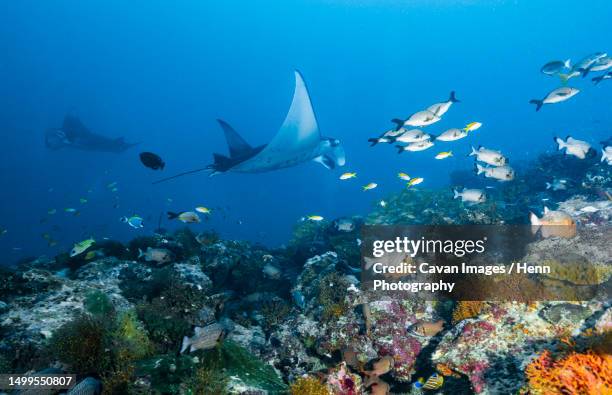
589 373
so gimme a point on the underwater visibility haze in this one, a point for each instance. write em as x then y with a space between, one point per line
189 190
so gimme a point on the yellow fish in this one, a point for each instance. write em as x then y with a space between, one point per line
472 126
79 248
434 382
203 210
444 155
346 176
314 218
90 255
403 176
371 185
415 181
70 210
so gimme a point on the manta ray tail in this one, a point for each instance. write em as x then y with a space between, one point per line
181 174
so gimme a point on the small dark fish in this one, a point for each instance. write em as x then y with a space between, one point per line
152 161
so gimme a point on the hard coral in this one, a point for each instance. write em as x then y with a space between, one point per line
467 309
308 386
589 373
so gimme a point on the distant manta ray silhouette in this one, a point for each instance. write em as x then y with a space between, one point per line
73 134
297 141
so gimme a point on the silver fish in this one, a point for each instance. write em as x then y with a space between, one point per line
577 148
472 196
554 67
556 96
440 109
501 173
204 338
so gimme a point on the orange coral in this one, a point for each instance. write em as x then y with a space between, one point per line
589 373
466 309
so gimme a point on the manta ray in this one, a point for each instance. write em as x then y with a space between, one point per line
297 141
73 134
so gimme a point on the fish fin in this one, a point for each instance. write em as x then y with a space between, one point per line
198 330
140 253
398 122
172 215
564 78
567 64
603 155
534 219
479 169
373 142
236 144
561 143
453 98
326 161
456 194
538 103
546 210
597 80
548 185
400 149
474 152
185 344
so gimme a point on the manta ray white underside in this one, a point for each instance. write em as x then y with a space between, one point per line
298 139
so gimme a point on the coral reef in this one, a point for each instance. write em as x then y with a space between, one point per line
576 373
296 320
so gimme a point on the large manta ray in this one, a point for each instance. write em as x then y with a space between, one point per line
73 134
298 140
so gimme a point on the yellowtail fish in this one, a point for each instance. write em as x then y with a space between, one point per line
415 181
371 185
90 255
83 200
403 176
81 247
444 155
434 382
315 218
51 211
3 231
347 176
472 126
70 210
203 210
115 190
112 185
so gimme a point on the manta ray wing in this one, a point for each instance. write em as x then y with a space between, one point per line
295 141
238 147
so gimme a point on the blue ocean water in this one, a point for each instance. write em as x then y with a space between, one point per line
160 73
